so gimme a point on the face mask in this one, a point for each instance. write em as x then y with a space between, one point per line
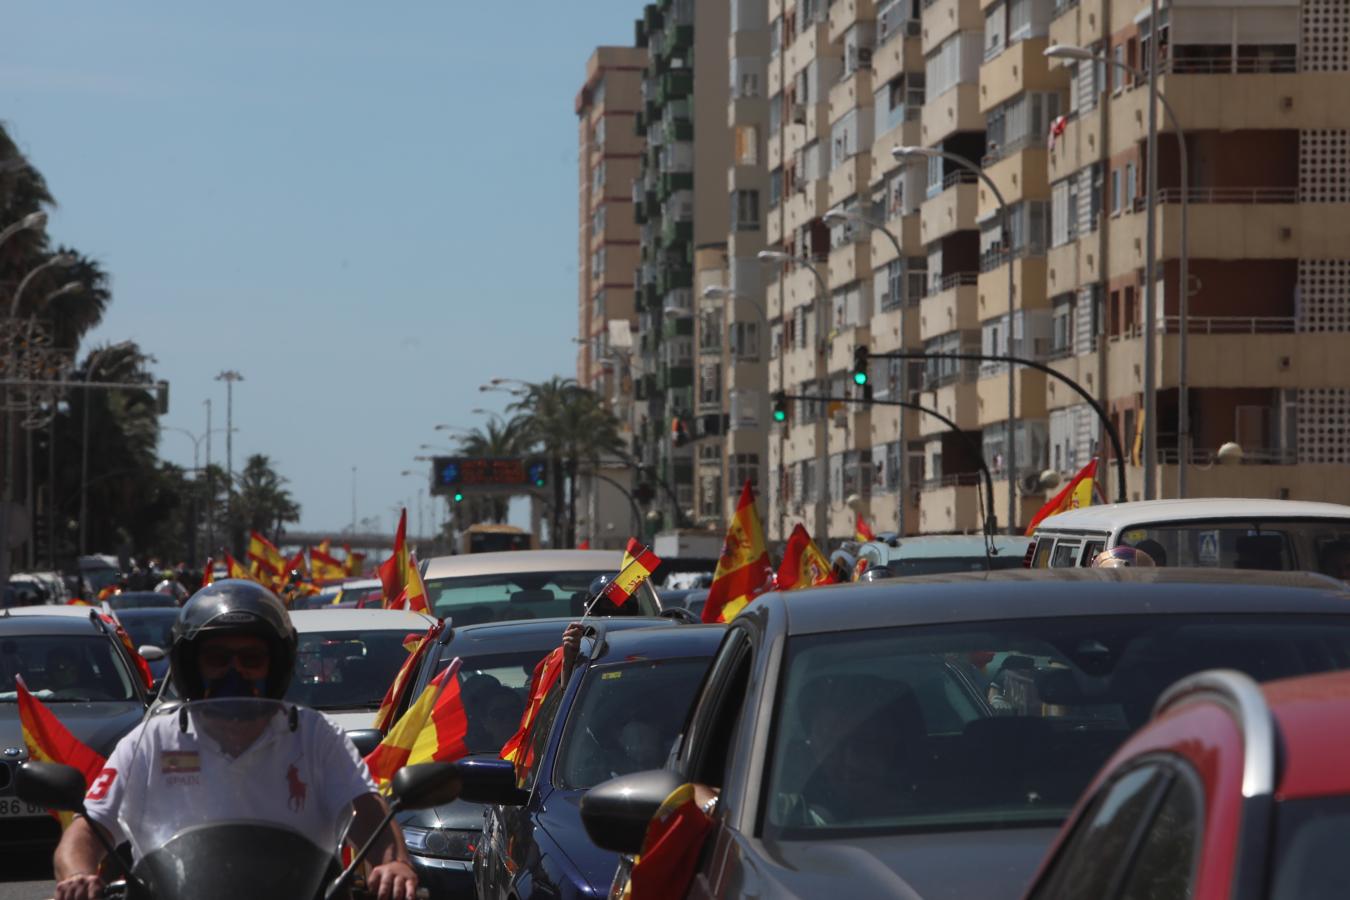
234 685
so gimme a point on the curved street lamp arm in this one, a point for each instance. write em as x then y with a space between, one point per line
632 502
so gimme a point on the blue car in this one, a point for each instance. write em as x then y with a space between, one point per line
620 712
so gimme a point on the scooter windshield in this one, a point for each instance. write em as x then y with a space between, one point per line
208 811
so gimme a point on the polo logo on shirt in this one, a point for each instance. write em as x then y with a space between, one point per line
297 788
180 762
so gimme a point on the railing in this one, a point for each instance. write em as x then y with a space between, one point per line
960 479
1227 65
1220 195
955 280
1231 324
1008 148
1260 456
965 372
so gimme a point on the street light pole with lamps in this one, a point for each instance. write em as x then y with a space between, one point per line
907 153
229 376
1082 54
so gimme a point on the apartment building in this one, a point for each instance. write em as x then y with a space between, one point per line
609 150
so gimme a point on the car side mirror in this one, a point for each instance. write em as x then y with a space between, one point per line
50 785
150 653
617 812
365 740
425 785
491 781
681 615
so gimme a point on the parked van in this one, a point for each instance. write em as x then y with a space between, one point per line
1237 533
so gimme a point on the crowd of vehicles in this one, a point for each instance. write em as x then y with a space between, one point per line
1159 732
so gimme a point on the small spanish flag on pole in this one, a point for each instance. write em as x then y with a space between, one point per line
862 531
639 563
48 740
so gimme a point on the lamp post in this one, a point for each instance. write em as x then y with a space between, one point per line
34 221
906 153
91 364
1082 54
822 530
229 376
845 217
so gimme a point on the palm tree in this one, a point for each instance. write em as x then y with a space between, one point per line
72 315
262 502
23 190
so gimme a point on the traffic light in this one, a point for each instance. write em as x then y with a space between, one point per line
780 412
644 493
459 496
860 355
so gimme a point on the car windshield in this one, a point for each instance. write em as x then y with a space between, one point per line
995 724
346 669
63 669
507 596
625 719
494 688
142 600
941 565
1310 858
1313 546
155 628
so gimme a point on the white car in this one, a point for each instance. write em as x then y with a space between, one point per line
347 659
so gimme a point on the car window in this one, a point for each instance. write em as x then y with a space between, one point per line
1164 866
625 719
1266 544
509 596
63 669
1042 558
494 688
1310 861
537 741
1088 864
346 669
701 718
996 724
1090 551
154 630
1065 555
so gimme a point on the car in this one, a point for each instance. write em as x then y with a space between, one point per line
497 662
1233 790
359 593
347 658
936 554
1210 532
76 665
151 631
931 734
620 712
523 584
141 600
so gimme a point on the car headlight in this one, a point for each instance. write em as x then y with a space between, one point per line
444 843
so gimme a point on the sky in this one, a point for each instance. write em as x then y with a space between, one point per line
367 210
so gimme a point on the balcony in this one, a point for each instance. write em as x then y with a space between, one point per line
1022 66
844 14
854 91
850 262
1018 170
950 504
952 308
952 210
944 18
1029 396
1077 23
957 400
1028 278
958 109
678 304
899 47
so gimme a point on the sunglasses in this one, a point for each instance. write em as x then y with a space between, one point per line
247 658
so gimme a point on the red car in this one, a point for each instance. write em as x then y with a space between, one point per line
1233 790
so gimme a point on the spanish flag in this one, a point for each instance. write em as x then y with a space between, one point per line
209 571
417 649
803 563
142 666
354 563
48 740
403 588
862 531
235 570
324 566
743 570
670 849
432 730
1078 492
546 674
264 555
639 563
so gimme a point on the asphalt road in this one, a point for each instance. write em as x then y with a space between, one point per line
27 876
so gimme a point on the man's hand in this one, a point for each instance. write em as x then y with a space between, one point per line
571 647
389 881
82 887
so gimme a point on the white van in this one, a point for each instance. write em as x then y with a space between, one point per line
1213 533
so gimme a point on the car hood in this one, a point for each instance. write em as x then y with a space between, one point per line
460 815
560 818
991 865
98 726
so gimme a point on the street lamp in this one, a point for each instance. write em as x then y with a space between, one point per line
34 221
449 428
229 376
64 290
434 449
59 260
905 153
90 365
1082 54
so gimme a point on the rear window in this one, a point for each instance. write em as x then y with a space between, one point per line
508 596
63 669
994 725
346 669
1310 858
1277 546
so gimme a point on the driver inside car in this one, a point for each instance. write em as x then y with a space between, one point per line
234 640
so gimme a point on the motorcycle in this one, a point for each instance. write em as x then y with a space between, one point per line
233 847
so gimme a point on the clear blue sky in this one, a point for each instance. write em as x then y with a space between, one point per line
367 209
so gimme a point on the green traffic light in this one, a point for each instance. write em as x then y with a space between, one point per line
860 378
780 415
458 496
539 482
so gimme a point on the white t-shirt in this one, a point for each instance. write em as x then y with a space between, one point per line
165 779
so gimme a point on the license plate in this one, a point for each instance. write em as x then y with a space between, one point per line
14 808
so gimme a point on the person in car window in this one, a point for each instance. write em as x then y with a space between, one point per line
233 639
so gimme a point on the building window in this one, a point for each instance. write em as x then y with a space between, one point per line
745 211
598 265
775 114
775 188
1115 192
598 178
710 386
1129 185
598 305
747 145
743 338
744 467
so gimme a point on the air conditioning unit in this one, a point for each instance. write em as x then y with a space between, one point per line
913 28
799 115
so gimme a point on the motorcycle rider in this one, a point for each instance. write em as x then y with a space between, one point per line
234 639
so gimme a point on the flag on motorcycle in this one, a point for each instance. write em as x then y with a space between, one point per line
417 649
670 848
803 564
324 566
1075 494
546 674
264 555
862 532
142 667
403 588
48 740
743 570
432 730
639 563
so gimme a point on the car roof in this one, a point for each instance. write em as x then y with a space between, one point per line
507 561
342 619
932 546
1043 593
659 643
148 612
21 622
62 610
357 584
1110 517
531 634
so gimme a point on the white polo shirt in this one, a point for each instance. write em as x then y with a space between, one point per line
161 779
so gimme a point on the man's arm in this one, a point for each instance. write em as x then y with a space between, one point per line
392 877
77 860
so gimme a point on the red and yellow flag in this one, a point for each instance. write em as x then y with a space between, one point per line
803 563
670 849
743 570
264 555
862 532
639 563
48 740
235 570
1078 492
417 649
77 601
354 564
546 674
324 566
209 571
403 588
432 730
142 666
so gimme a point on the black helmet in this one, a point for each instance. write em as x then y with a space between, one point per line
232 606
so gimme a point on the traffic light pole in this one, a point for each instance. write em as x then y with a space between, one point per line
1077 388
990 521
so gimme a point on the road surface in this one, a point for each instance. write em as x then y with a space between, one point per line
26 876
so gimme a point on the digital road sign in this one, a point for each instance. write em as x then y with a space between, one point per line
487 475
